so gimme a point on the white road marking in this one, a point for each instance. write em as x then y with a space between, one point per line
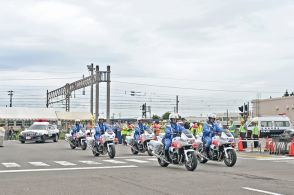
65 163
66 169
90 162
261 191
273 159
136 160
132 157
11 164
39 164
114 161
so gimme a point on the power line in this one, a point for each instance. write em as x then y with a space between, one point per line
190 88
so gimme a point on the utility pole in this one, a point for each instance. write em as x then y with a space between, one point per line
84 91
149 110
10 93
97 93
227 118
108 95
177 104
91 69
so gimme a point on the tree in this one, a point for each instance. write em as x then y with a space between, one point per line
165 116
155 117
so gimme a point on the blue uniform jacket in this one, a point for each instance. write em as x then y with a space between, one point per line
140 128
76 128
100 130
209 130
172 129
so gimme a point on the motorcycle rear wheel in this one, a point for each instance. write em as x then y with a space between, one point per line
200 156
95 153
231 161
162 162
72 146
134 151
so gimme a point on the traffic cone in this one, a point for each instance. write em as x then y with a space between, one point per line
266 148
291 150
240 145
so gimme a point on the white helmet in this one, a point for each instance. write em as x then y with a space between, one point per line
101 117
78 120
173 116
139 118
211 115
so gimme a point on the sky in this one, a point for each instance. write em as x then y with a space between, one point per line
215 55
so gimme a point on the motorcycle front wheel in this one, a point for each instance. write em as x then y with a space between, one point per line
111 152
149 152
232 158
84 146
191 164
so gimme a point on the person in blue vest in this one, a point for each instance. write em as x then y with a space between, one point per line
77 127
210 128
171 131
140 128
101 127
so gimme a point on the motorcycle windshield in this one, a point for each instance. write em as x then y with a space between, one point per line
227 133
109 131
187 133
148 131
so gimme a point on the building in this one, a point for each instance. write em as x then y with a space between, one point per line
274 106
22 117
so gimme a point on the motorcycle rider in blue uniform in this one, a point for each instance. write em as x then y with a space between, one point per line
101 127
139 129
209 130
171 131
77 127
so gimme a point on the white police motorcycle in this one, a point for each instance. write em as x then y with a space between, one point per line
104 145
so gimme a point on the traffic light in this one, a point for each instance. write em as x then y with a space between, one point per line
246 108
241 108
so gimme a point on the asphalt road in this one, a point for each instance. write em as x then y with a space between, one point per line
54 168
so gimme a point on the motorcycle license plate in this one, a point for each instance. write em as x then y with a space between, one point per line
28 137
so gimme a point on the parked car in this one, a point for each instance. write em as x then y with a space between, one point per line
271 126
39 132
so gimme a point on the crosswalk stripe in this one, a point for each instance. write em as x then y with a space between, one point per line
114 161
39 164
90 162
136 160
152 159
11 164
65 163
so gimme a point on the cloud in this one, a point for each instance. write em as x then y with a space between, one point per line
238 45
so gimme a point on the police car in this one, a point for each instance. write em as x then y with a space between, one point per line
39 132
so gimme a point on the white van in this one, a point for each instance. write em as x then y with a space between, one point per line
271 125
